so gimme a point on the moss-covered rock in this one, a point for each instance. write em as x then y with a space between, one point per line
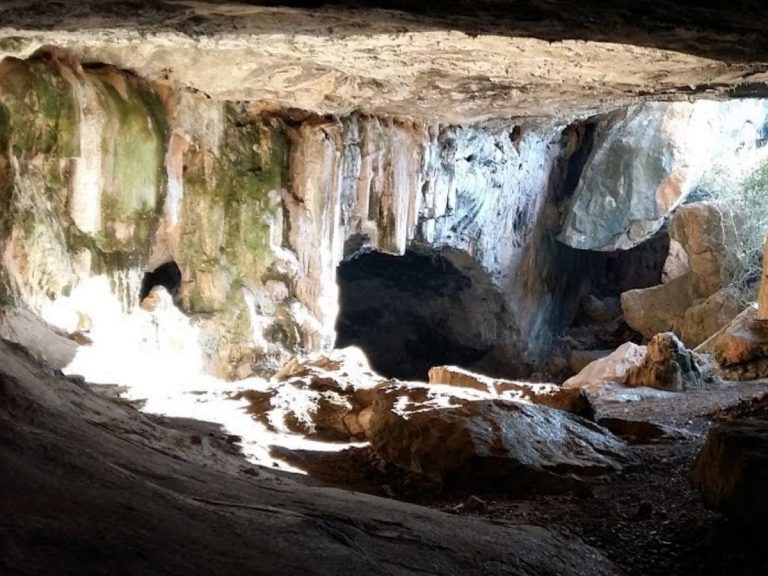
229 212
82 172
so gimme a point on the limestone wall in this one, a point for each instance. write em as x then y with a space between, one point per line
105 175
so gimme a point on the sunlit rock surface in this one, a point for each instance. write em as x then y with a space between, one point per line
611 369
462 437
551 395
644 162
323 396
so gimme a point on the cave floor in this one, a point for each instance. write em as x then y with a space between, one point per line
89 484
648 519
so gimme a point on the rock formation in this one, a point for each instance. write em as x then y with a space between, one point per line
258 209
643 165
328 397
668 365
214 187
732 467
611 369
741 349
256 213
665 363
569 400
466 439
692 302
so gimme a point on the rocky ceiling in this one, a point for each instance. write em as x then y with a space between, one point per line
453 62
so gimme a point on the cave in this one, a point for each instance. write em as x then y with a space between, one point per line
412 312
469 287
167 275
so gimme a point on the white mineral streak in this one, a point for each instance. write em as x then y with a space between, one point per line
87 178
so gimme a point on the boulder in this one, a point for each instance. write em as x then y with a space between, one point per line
324 396
741 350
610 369
464 438
705 232
691 301
643 164
668 365
659 308
731 471
570 400
706 317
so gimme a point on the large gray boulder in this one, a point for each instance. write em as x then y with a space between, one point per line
463 438
643 165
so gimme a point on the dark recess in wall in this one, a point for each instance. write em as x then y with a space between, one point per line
406 313
167 275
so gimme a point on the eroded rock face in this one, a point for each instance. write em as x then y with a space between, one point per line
474 195
82 155
464 438
257 213
668 365
433 65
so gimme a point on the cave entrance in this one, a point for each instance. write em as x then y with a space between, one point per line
412 312
167 275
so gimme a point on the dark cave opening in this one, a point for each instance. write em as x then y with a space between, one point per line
598 326
412 312
167 275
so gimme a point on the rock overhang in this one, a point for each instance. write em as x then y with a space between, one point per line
445 65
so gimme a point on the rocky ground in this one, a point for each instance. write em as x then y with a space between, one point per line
89 485
648 519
